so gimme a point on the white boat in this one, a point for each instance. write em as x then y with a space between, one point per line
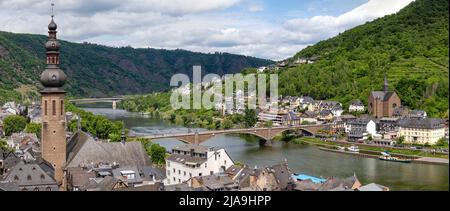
353 148
341 148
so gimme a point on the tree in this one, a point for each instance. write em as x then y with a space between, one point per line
14 124
400 140
268 124
4 145
34 128
250 117
157 154
442 143
227 124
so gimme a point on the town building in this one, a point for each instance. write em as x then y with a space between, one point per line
274 116
273 178
360 129
291 119
388 128
216 182
308 117
305 102
383 103
189 161
126 161
32 177
422 130
417 114
356 106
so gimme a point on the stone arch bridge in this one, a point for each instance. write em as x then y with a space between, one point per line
265 134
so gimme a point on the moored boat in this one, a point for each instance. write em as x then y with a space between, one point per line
353 148
388 157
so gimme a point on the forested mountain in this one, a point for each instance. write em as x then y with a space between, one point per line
411 47
96 70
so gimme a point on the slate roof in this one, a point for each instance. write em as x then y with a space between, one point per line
79 177
181 187
158 173
183 159
384 96
307 100
214 182
147 188
421 123
359 121
10 159
29 175
102 184
283 175
308 114
9 186
82 150
325 113
417 113
137 179
337 184
373 187
293 116
306 185
189 147
356 103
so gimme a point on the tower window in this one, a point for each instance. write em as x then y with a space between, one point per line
54 108
45 108
62 107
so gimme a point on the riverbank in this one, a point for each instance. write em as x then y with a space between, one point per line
374 152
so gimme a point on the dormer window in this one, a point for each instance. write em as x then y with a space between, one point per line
16 177
29 177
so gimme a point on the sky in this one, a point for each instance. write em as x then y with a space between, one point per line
270 29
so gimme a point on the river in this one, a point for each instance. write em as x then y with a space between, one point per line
301 158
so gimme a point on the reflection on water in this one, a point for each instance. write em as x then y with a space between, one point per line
301 158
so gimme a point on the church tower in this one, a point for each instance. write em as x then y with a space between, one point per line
52 104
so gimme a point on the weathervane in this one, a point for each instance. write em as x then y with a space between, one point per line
53 5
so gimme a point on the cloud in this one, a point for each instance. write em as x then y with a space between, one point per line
197 25
255 8
322 27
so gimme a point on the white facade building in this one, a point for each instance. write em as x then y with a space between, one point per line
189 161
356 106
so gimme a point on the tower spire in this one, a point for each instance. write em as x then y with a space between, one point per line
53 140
386 86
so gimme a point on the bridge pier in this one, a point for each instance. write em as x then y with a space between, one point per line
114 105
265 143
